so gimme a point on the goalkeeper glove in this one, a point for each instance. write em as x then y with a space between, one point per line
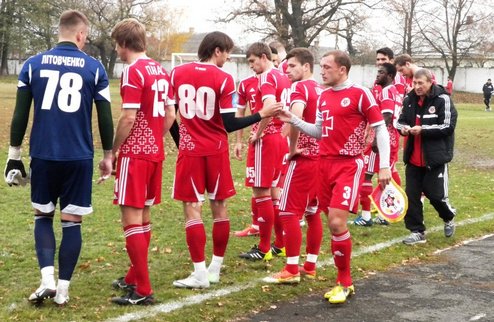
15 173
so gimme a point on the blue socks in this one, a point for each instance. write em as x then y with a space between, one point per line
44 239
70 248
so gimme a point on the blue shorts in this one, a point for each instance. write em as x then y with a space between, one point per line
71 181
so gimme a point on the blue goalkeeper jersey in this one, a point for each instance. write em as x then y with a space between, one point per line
64 82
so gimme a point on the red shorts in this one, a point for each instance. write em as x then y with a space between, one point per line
264 161
196 174
137 182
285 151
299 194
339 183
372 162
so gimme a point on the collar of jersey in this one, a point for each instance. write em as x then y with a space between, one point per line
67 44
344 85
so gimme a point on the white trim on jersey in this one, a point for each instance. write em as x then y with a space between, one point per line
105 92
131 105
96 77
228 110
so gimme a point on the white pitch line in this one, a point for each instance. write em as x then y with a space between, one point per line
199 298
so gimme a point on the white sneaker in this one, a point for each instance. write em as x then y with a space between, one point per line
213 278
62 297
41 294
192 282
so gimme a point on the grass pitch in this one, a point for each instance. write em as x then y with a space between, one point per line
103 256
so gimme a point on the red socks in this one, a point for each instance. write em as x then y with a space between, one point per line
221 233
253 208
365 192
313 239
278 226
265 217
196 239
293 241
137 249
130 277
341 247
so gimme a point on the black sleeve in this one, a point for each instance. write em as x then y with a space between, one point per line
174 132
105 124
21 117
233 123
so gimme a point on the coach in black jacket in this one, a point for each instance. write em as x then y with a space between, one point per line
428 120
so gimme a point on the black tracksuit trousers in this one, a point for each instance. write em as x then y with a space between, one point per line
433 182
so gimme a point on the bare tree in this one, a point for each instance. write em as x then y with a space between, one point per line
349 26
401 27
451 28
292 22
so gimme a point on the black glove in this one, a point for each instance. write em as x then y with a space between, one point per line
15 173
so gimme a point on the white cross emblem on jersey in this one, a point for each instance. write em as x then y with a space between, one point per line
326 117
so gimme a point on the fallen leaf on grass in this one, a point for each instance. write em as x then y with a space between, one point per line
85 265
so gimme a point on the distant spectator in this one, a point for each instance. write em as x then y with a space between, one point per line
449 86
487 89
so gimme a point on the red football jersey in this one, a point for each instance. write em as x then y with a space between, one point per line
307 92
283 66
272 84
399 82
203 91
345 113
247 89
389 102
145 86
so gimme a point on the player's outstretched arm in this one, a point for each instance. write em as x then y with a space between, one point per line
238 149
233 123
314 130
382 138
15 173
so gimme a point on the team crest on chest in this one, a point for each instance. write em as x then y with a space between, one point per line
432 109
345 102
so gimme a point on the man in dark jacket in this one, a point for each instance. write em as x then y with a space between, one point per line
487 89
428 119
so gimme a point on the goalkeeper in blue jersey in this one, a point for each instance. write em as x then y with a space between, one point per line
63 83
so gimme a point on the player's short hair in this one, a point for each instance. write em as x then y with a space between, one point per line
273 50
130 33
70 20
423 72
390 69
402 59
211 41
303 55
386 51
258 49
341 58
